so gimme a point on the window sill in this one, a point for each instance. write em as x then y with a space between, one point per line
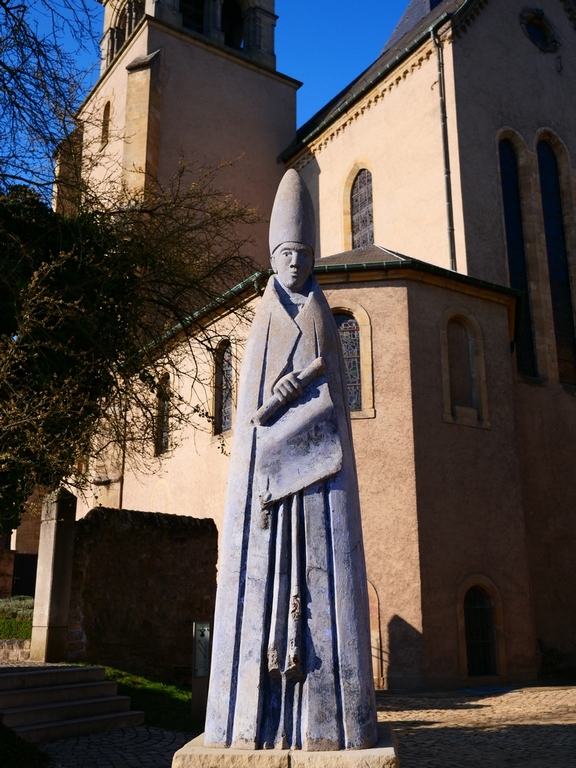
466 417
367 413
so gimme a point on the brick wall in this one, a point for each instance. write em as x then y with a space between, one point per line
139 582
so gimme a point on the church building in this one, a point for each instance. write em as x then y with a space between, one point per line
443 181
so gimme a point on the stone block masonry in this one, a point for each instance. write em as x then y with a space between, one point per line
140 580
14 650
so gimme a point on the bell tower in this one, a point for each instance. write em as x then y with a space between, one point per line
246 26
193 82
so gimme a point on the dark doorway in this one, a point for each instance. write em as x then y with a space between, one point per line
480 633
24 578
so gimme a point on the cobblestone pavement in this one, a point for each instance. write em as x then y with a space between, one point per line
528 727
139 747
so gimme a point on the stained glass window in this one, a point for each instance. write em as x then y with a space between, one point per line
362 210
224 388
539 30
350 338
480 633
557 253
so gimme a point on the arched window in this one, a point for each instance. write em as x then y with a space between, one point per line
463 370
362 210
516 250
223 388
192 14
127 20
105 124
350 338
162 426
232 24
462 385
480 625
557 253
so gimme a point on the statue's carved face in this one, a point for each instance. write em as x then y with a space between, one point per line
293 263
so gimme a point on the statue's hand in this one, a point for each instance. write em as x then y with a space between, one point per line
288 388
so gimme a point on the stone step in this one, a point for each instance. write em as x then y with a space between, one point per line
48 713
63 729
26 677
25 697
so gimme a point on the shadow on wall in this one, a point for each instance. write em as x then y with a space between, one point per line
311 177
405 655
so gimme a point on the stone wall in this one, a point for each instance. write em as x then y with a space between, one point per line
26 537
140 580
14 650
6 572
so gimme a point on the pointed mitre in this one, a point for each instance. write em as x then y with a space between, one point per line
292 219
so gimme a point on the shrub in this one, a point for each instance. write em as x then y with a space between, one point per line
17 607
15 629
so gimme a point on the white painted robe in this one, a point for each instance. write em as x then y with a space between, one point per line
291 664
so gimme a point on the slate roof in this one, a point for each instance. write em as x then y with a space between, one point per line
368 255
415 12
408 31
376 257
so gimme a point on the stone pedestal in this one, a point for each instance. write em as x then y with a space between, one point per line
196 755
54 578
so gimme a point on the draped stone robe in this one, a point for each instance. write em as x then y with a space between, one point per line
291 665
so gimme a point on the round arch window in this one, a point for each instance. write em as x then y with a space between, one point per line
539 30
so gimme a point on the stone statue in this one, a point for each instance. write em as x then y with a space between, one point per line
291 664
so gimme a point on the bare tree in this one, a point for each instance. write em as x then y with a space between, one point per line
95 309
41 85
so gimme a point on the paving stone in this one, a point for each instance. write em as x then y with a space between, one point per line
528 728
136 747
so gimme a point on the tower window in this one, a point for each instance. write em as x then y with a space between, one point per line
557 253
105 124
362 210
232 24
192 14
349 331
516 251
127 20
224 388
479 620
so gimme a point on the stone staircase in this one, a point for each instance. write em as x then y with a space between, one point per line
57 702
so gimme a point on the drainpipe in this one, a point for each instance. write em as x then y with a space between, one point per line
446 150
123 469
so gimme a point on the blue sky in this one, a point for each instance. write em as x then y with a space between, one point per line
327 43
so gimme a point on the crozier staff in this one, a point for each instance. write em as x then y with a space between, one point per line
291 658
